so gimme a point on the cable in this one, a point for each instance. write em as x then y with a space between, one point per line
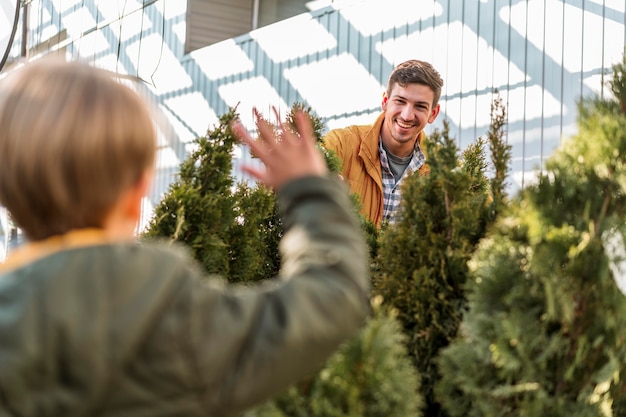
162 44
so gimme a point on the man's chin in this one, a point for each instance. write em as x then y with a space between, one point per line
405 136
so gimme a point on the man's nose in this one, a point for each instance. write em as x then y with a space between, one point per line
407 112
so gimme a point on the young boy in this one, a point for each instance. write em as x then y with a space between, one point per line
93 324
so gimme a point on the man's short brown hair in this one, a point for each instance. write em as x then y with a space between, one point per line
72 140
414 71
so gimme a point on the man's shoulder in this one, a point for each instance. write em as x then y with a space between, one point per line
356 132
350 136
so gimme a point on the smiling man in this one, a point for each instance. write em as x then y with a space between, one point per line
376 158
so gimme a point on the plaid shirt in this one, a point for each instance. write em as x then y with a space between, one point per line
391 187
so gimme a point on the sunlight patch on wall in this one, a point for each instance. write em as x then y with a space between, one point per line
617 5
41 19
49 32
166 158
484 69
249 93
179 29
343 85
614 49
194 109
222 59
78 22
6 25
67 4
594 83
112 9
385 14
132 25
526 103
181 131
361 119
298 36
155 63
111 63
564 25
171 9
92 44
468 112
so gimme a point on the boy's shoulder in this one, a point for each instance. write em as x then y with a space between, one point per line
110 260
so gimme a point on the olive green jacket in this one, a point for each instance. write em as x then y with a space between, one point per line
90 327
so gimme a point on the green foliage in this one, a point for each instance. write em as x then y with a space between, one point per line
617 84
233 230
500 154
422 261
369 376
545 332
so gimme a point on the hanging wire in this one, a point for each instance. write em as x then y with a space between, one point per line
119 39
162 44
143 15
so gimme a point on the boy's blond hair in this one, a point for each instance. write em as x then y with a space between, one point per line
72 141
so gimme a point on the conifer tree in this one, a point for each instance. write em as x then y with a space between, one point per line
545 332
234 230
421 267
370 376
229 227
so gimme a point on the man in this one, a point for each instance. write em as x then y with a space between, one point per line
377 158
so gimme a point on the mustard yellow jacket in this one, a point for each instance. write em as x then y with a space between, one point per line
357 148
90 327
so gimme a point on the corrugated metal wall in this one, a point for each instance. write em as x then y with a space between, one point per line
541 55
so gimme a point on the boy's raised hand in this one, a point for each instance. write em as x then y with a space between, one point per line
286 155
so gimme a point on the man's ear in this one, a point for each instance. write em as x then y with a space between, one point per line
384 102
434 113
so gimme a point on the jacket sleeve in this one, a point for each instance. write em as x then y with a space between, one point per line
251 342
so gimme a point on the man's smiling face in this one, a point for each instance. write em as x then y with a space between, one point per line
407 110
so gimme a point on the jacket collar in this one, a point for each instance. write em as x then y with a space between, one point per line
31 252
369 144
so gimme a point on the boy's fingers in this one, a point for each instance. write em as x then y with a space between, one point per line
255 173
255 146
266 130
304 125
286 132
240 132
